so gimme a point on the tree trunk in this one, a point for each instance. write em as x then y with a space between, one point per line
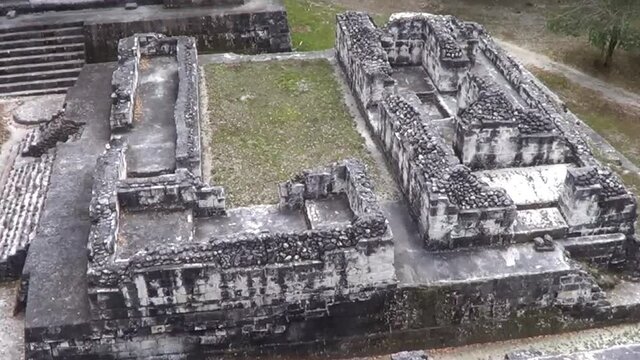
611 47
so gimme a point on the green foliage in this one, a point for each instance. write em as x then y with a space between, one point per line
608 24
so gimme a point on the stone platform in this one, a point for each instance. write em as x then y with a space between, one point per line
171 272
223 27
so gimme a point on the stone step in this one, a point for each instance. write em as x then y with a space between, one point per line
40 75
36 85
35 34
600 250
46 66
41 50
34 42
38 92
41 58
38 27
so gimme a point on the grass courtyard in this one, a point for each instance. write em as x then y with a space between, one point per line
269 121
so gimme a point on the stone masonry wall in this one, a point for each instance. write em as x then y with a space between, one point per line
337 323
238 31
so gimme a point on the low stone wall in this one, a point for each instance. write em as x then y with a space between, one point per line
124 84
186 109
348 177
594 201
254 31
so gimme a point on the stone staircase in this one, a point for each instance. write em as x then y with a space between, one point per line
40 59
21 201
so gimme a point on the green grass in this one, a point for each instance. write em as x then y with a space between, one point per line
312 23
269 121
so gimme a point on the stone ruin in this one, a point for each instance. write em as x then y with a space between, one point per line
134 255
461 123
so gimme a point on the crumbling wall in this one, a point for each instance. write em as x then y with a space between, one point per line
124 84
348 177
494 132
181 190
594 201
104 208
362 57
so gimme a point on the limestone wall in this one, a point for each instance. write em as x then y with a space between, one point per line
264 30
361 56
339 323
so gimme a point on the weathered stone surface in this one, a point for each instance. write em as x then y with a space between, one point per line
38 110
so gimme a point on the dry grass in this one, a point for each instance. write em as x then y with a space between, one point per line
269 121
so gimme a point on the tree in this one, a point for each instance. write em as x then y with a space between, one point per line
609 24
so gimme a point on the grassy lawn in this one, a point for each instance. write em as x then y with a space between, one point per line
269 121
313 22
522 22
619 125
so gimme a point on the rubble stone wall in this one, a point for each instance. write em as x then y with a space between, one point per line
494 132
49 134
